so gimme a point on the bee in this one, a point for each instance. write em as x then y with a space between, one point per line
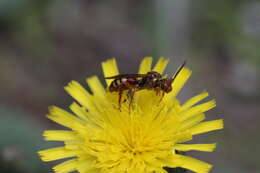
135 82
131 83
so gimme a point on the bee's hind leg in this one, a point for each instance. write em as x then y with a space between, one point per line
130 96
120 93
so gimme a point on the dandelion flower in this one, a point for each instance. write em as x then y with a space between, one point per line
104 139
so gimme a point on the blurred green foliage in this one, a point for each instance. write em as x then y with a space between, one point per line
219 26
20 141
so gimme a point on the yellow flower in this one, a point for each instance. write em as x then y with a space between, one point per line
103 139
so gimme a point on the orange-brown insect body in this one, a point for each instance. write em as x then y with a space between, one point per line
132 83
136 82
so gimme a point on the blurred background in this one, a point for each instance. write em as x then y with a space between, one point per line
44 44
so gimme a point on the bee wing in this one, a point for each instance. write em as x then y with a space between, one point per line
126 76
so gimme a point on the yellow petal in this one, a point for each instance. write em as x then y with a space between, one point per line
197 110
198 147
161 65
85 164
194 100
93 170
80 94
64 118
145 65
188 123
59 135
72 145
109 69
183 137
66 167
207 127
193 164
56 153
161 171
79 111
96 86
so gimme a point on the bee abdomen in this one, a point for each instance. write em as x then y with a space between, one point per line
115 85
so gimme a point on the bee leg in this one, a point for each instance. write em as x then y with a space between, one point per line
162 95
130 95
120 98
157 91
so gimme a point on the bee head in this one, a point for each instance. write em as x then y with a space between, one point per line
166 85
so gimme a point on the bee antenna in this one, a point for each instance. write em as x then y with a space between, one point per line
178 71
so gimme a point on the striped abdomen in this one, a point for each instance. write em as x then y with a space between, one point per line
119 84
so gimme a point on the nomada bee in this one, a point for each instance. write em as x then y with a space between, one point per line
132 83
